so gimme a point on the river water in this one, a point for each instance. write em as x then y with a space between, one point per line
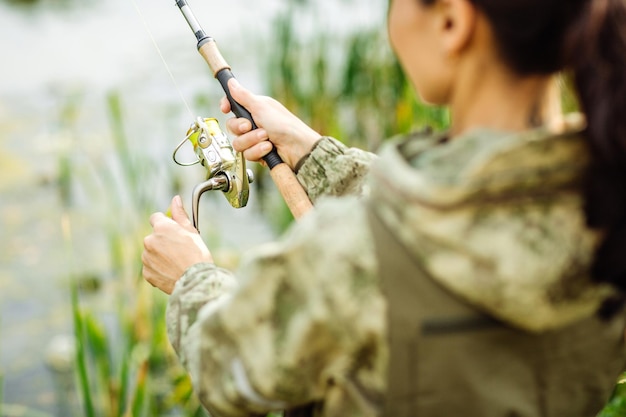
58 67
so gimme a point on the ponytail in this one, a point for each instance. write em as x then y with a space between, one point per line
595 49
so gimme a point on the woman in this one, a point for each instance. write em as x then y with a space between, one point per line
477 273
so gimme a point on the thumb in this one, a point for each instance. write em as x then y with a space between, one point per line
179 215
241 94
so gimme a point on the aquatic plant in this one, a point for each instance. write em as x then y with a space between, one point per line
616 406
123 362
349 87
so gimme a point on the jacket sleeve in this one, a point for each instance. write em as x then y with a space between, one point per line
334 169
291 324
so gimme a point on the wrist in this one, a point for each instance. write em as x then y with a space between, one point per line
304 158
303 140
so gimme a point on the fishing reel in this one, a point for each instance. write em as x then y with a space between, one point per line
225 169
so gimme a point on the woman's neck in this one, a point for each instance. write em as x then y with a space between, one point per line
494 98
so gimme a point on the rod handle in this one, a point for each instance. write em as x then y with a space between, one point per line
295 197
207 47
288 185
272 159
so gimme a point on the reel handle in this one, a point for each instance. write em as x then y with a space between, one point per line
219 182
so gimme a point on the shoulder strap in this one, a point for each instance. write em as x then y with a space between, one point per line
394 266
417 306
448 358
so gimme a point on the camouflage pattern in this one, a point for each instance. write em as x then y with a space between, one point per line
332 169
498 219
494 217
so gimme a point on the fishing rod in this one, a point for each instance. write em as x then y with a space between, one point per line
292 192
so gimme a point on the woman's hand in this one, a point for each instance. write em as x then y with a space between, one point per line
292 137
173 246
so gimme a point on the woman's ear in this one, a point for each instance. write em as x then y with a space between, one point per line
457 24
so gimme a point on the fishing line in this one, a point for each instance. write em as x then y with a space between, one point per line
156 46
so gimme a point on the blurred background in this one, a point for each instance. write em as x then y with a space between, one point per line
89 117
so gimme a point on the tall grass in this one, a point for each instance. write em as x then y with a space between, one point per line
616 406
123 362
350 87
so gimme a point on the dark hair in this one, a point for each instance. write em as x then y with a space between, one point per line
596 52
588 39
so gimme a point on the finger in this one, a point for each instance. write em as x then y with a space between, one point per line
250 139
179 215
257 152
225 105
241 95
156 218
147 246
145 272
238 126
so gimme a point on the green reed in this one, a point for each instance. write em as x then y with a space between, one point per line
1 392
123 362
81 357
351 88
616 406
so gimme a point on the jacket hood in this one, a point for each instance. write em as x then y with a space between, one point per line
497 218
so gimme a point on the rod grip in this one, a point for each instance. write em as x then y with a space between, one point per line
290 188
272 159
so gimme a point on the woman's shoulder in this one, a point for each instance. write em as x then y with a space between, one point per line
485 163
497 218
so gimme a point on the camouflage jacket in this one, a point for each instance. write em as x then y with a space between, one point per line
495 217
